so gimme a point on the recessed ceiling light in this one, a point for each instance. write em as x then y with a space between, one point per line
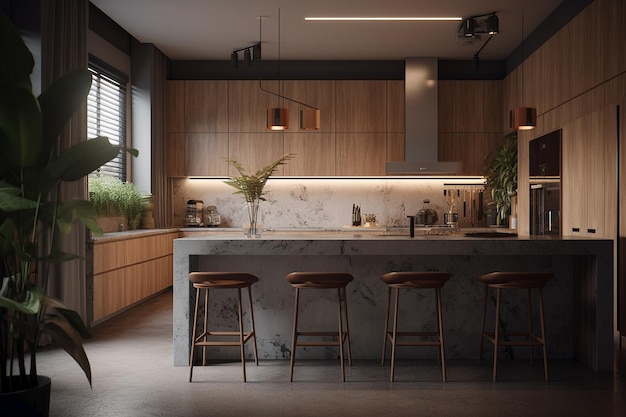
387 18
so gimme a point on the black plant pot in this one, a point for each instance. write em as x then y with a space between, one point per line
31 402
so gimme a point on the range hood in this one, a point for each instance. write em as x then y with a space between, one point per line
420 142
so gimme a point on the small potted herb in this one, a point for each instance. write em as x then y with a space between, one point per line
113 198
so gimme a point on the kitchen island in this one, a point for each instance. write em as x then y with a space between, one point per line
579 299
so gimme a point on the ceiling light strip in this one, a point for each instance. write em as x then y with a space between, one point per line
434 19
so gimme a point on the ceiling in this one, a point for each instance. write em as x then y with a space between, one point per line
211 30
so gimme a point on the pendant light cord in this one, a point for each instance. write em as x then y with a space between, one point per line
278 95
523 101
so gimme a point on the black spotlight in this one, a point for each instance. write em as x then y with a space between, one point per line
234 59
492 25
467 27
247 58
256 52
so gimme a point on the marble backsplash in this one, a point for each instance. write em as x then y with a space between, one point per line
327 203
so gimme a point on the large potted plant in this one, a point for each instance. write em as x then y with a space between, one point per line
31 169
501 175
251 187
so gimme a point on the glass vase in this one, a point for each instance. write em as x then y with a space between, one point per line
253 219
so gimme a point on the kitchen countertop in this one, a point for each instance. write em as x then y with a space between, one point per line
574 260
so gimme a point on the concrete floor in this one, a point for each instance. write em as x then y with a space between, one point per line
133 375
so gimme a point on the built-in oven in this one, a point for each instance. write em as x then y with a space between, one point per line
545 184
545 207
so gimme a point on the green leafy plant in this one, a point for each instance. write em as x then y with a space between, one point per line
251 185
31 212
111 197
501 175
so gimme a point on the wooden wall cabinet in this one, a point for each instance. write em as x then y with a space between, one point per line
127 270
362 126
470 124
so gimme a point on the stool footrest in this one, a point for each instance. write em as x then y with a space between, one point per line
246 336
536 340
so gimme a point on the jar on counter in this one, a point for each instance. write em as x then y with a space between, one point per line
426 215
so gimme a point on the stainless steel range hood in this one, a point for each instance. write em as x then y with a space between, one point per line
421 100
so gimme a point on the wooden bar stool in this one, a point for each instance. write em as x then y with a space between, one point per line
514 280
322 280
413 280
217 281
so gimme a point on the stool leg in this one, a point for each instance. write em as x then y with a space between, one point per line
345 308
256 356
343 374
394 335
382 361
543 335
206 324
530 325
241 343
496 336
440 323
193 335
482 326
294 336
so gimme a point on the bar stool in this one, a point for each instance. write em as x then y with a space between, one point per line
413 280
216 281
514 280
322 280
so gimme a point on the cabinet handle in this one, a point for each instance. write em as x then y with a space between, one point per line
591 230
575 229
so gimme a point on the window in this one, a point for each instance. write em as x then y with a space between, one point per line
106 112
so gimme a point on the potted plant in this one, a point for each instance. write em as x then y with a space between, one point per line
501 175
251 186
112 198
31 169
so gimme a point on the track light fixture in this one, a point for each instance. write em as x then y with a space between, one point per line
467 27
250 53
492 24
484 23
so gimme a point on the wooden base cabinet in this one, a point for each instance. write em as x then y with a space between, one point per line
126 270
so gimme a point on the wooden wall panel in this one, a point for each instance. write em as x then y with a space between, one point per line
317 93
175 154
361 153
395 147
315 154
361 106
395 106
206 106
248 104
613 22
206 154
256 150
446 105
468 148
175 106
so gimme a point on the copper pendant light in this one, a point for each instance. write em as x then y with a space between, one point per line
277 118
309 119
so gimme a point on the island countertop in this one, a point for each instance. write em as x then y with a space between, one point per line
583 269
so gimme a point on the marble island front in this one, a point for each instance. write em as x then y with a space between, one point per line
579 299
